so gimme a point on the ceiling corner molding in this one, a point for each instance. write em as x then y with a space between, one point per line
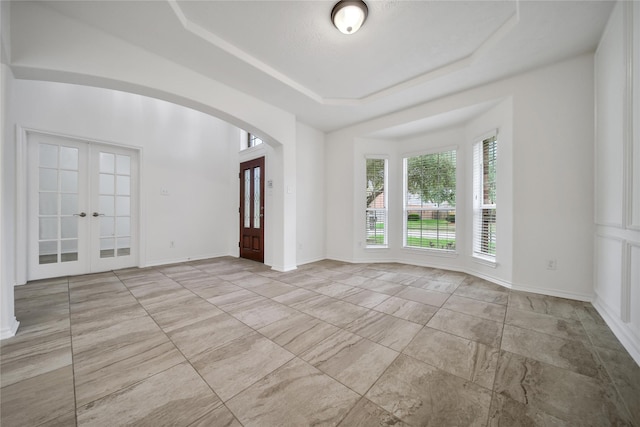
240 54
231 49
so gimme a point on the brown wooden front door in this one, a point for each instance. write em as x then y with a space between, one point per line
252 209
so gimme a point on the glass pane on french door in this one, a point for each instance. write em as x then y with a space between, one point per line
58 210
57 204
114 210
82 207
58 225
115 205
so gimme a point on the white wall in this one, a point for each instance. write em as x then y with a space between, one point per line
68 54
339 164
553 179
191 154
617 176
310 194
545 122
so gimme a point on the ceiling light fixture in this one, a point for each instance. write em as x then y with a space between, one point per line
349 15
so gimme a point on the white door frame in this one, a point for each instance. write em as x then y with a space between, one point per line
22 195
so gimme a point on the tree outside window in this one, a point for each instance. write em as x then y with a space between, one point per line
430 201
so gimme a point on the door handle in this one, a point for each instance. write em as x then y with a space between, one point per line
81 214
96 214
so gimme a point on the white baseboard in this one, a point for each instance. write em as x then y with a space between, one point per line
179 260
309 261
10 330
554 292
488 278
627 338
283 268
332 258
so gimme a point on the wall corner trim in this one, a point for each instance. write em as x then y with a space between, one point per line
10 330
284 269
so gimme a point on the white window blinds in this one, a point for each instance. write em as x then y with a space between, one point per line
484 198
376 211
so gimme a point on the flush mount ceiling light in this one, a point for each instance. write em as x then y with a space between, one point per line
349 15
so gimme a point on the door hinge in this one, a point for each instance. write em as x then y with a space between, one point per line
238 244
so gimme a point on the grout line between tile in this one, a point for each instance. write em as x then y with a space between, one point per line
328 276
73 364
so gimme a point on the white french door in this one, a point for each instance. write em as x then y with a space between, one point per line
82 207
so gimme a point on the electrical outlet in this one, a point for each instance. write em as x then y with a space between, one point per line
552 264
164 191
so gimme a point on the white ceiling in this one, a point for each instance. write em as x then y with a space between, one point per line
289 54
401 40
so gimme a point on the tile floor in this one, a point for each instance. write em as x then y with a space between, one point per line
228 342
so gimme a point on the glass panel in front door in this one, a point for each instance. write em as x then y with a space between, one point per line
114 204
256 197
58 210
247 198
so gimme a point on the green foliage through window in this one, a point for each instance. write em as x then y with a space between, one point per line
433 177
430 200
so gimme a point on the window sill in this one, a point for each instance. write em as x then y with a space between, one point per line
375 248
435 252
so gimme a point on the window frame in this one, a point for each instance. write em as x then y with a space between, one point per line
405 210
478 200
385 209
251 140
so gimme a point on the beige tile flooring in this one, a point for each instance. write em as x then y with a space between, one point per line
226 341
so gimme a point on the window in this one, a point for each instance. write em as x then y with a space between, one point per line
253 140
430 201
376 220
484 198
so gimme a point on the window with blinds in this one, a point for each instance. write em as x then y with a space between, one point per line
376 211
430 201
484 198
